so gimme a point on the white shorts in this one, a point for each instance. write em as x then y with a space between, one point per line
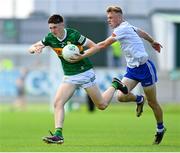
84 80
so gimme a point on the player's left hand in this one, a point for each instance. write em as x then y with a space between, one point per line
75 58
157 46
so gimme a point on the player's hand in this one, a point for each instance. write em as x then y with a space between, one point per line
157 46
75 58
36 49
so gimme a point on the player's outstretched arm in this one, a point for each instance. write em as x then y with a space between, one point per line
156 45
107 42
92 48
36 47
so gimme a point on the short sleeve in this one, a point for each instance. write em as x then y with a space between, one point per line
80 39
118 34
45 41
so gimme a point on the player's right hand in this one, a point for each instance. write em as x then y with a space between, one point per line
36 49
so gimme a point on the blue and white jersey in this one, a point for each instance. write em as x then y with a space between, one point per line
131 44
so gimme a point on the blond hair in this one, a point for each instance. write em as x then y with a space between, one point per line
115 9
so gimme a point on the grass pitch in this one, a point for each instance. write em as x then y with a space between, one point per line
116 129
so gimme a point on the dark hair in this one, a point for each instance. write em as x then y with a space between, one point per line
55 19
115 9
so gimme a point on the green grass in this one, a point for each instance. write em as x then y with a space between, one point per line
116 129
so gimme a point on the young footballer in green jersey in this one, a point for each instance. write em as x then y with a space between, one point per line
78 74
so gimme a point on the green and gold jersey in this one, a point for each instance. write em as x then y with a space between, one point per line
72 36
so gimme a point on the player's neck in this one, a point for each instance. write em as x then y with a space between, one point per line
61 34
119 22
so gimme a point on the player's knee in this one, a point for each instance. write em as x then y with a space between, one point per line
57 103
101 106
122 98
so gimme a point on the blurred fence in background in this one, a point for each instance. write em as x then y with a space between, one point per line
44 76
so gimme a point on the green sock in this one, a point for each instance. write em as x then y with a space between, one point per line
115 85
58 132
